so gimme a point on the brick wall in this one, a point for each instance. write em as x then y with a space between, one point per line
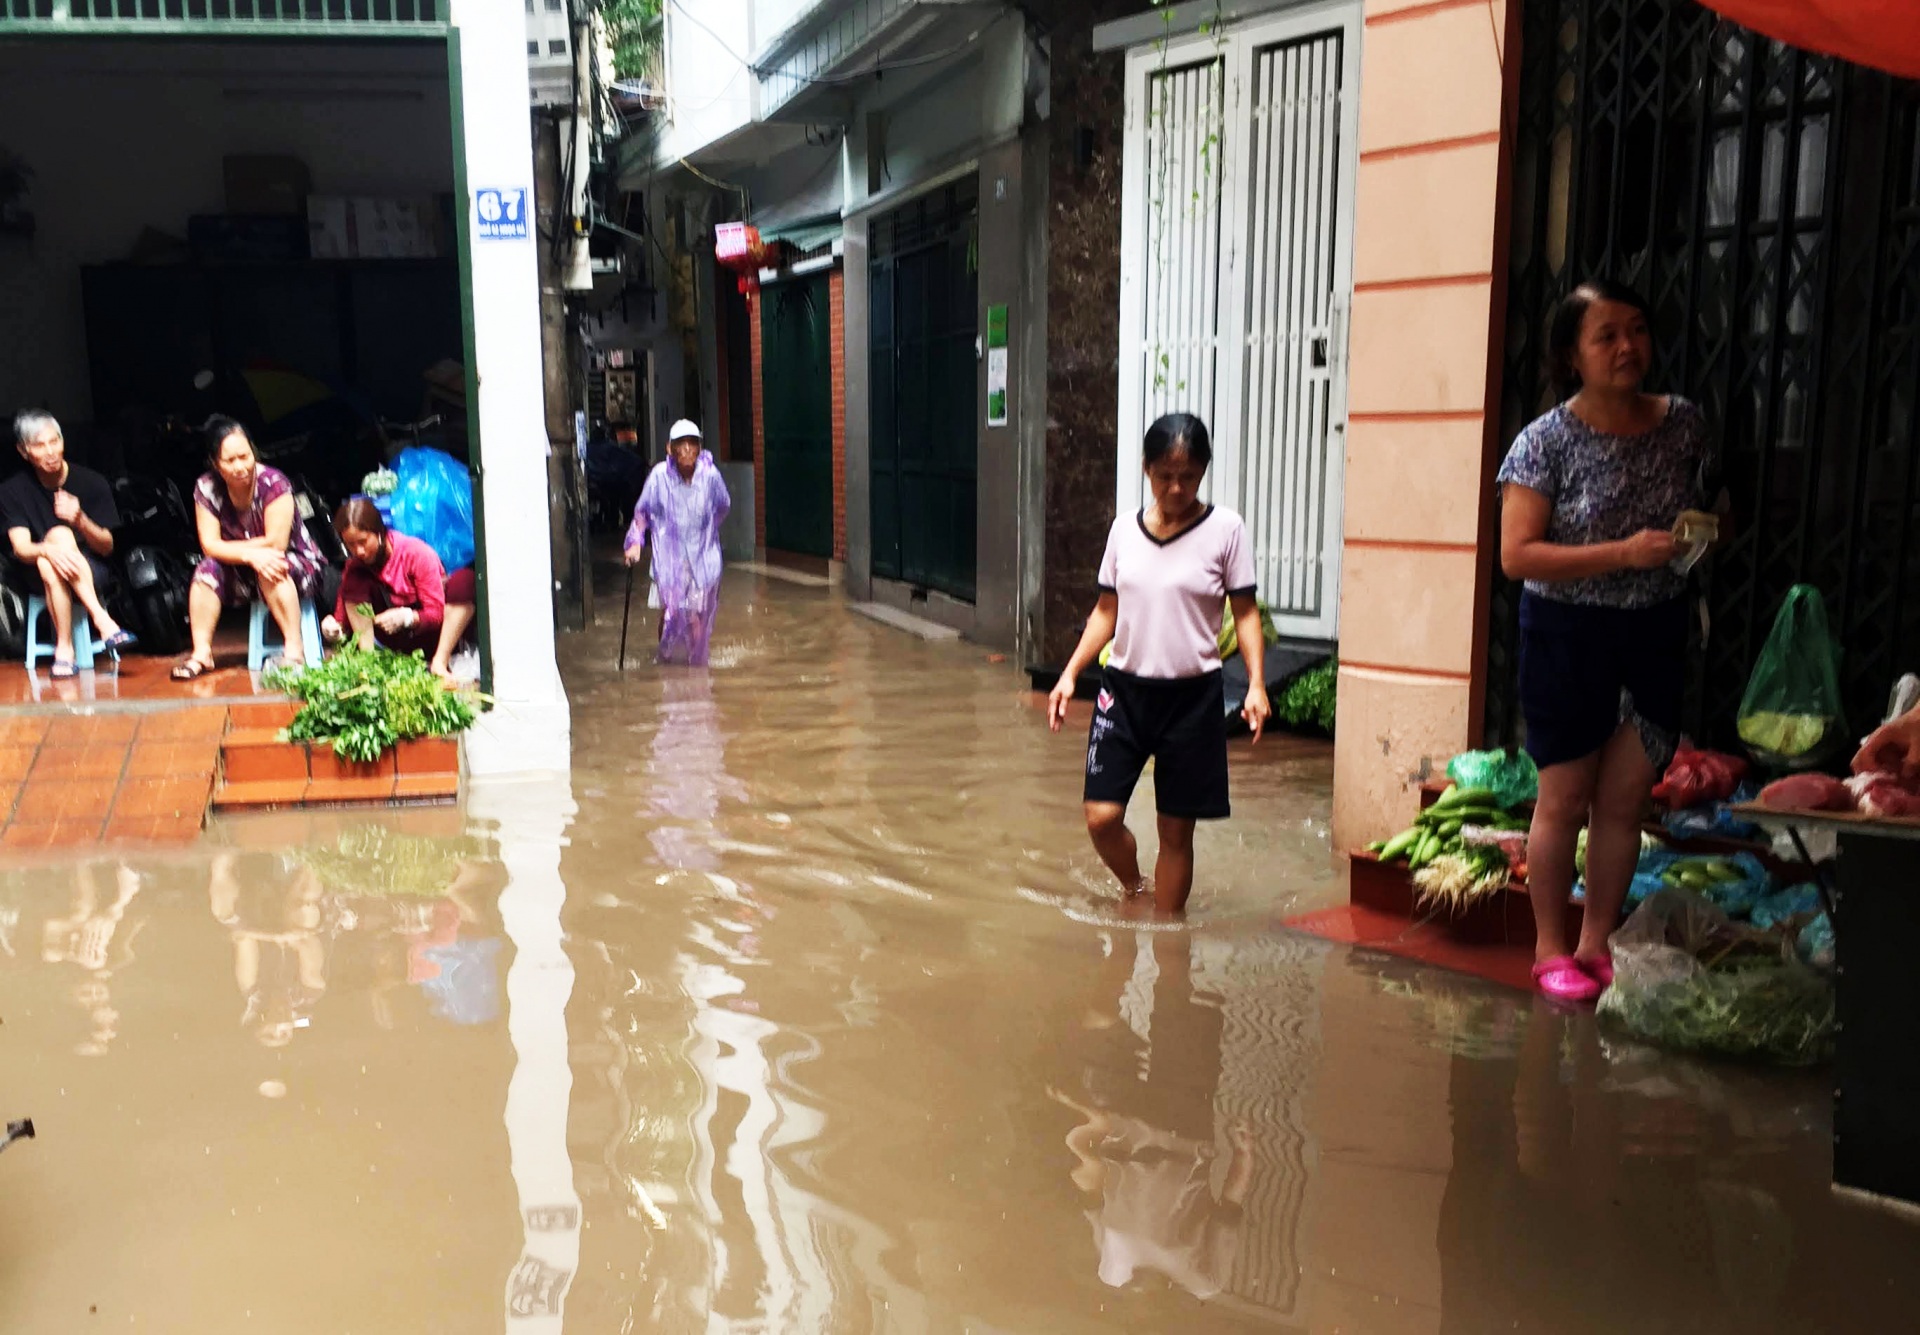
754 305
837 360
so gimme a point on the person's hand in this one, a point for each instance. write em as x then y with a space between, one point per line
1894 748
330 630
66 507
1650 548
269 565
633 555
396 618
1256 710
67 565
1057 702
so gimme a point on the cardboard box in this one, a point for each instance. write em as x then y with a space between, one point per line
266 185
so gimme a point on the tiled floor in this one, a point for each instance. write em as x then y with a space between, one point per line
69 779
1354 924
132 678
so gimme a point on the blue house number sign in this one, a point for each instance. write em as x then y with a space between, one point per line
503 212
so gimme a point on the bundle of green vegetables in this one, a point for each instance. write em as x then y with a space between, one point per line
1687 977
365 700
1446 869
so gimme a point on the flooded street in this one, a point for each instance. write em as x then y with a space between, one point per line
804 1007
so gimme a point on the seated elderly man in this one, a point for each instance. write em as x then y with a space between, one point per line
58 519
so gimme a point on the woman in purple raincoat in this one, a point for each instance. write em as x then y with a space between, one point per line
681 509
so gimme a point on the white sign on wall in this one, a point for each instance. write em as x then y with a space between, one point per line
502 211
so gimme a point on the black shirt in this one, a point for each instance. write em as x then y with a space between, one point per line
24 503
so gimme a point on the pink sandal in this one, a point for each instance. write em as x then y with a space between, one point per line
1599 969
1562 978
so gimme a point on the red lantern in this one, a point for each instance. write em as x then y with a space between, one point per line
738 246
1881 34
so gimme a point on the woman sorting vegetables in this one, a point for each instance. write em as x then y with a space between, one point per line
1168 572
254 546
680 511
1592 492
394 592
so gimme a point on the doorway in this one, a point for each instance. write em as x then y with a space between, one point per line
797 390
925 285
1236 279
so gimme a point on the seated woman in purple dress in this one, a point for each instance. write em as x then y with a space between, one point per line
255 547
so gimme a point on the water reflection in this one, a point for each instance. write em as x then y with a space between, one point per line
1146 1152
89 938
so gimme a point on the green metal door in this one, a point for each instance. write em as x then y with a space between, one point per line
925 368
797 392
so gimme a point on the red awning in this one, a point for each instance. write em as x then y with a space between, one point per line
1884 34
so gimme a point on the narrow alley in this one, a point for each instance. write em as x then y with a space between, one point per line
804 1008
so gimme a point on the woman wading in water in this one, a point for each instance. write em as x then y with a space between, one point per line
1168 573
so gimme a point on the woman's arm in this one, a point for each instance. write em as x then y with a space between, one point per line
278 523
225 552
1526 554
1253 649
1099 632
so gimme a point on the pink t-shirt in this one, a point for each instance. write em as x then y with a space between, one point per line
1173 593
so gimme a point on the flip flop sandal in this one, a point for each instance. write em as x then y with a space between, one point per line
62 669
121 639
191 670
1600 969
1561 978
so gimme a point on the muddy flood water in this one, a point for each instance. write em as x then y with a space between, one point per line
802 1007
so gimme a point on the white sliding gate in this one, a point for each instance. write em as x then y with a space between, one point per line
1237 275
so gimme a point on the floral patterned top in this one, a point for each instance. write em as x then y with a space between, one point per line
1606 488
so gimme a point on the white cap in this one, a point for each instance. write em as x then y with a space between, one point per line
681 430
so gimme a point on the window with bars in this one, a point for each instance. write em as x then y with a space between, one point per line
1766 200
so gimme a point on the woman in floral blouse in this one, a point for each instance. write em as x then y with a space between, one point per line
1592 491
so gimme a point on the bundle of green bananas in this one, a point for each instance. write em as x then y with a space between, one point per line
1437 829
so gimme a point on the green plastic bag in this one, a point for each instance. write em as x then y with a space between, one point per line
1790 717
1511 776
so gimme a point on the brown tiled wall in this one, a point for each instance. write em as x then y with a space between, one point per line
1083 315
837 360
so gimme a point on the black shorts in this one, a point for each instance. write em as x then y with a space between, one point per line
1586 670
1181 724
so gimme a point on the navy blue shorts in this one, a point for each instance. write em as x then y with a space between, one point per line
1586 670
1180 724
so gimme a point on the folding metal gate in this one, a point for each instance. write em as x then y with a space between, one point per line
1236 276
1767 202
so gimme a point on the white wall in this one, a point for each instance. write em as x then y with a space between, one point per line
123 136
710 90
527 731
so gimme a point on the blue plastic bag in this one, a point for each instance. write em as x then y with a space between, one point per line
434 503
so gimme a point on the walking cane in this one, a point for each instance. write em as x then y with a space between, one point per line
625 618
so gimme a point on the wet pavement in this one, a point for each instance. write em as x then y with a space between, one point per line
803 1007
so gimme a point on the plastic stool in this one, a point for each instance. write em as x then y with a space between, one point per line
263 635
85 643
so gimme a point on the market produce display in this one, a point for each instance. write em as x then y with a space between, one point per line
1879 796
365 700
1791 713
1688 977
1884 796
1450 849
1698 777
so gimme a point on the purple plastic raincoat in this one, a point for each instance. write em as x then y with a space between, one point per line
683 518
